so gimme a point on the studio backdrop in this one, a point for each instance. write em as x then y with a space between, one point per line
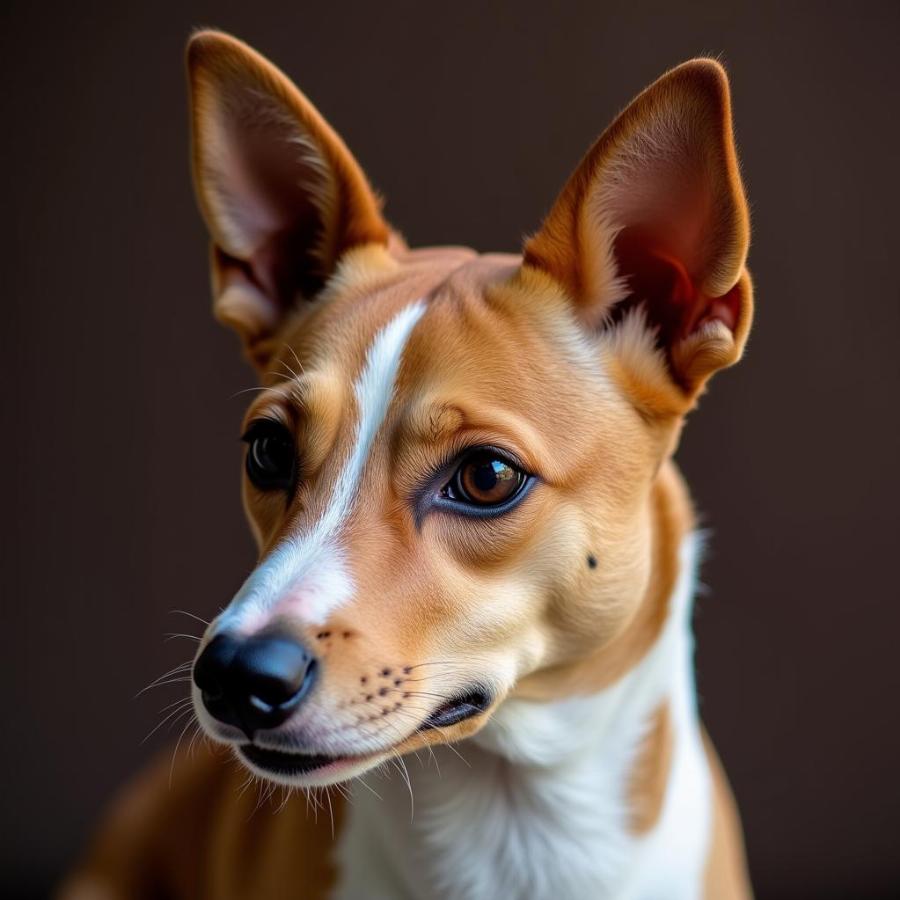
121 408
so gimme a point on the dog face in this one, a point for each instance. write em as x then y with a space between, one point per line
454 460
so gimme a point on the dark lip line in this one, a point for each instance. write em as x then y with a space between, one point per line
472 702
284 763
475 700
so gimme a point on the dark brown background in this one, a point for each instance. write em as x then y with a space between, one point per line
120 449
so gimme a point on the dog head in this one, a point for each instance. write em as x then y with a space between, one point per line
457 464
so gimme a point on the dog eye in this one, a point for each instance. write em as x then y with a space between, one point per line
270 459
485 479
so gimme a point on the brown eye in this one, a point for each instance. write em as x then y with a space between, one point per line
485 479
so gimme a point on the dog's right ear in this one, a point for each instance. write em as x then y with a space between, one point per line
281 195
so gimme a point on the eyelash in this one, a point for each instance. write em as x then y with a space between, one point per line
428 496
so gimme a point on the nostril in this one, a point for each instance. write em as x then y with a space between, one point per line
275 670
309 677
272 691
290 695
211 667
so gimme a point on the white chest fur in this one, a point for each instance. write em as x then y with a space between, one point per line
535 806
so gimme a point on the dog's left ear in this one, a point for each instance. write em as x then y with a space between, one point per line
281 194
650 235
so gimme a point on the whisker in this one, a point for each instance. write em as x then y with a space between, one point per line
285 796
286 366
330 810
179 702
450 662
184 679
296 358
182 667
191 615
345 792
197 731
449 745
175 751
172 717
247 782
443 697
261 388
360 780
404 772
442 741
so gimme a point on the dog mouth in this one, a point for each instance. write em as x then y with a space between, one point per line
464 706
280 762
295 763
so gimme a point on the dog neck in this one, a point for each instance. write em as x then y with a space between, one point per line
542 798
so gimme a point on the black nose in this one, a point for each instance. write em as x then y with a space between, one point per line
253 683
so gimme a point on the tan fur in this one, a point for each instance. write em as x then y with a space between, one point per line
528 354
195 830
650 774
726 868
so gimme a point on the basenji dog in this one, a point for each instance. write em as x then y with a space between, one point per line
476 555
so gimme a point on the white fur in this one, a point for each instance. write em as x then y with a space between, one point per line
307 575
633 341
539 807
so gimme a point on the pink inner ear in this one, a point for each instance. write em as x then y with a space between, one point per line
660 281
723 309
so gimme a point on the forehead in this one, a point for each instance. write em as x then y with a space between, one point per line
489 351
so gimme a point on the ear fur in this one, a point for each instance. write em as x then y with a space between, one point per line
281 195
653 228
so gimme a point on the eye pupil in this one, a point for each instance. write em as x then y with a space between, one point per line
486 479
270 456
270 453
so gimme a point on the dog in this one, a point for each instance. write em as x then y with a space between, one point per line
475 547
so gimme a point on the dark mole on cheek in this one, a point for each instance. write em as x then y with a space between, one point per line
592 561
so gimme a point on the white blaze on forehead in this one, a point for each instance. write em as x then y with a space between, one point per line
307 574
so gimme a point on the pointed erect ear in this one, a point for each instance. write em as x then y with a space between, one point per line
281 194
650 235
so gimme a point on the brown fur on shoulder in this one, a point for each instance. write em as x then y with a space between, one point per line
199 830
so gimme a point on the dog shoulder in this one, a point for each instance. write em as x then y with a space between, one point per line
196 829
726 867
